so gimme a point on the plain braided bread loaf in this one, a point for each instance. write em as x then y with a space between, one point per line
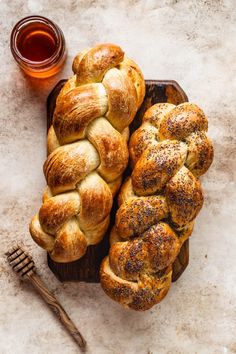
87 148
157 204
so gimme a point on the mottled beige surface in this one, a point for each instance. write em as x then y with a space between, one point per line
194 43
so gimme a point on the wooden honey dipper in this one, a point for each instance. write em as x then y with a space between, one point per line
24 265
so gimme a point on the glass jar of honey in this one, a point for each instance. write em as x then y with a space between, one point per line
38 46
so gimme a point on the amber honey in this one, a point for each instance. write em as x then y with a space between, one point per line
38 45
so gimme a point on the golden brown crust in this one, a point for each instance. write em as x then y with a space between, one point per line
185 232
95 234
184 197
111 147
131 69
138 214
157 165
156 113
115 185
200 153
122 99
69 85
57 210
181 121
96 62
149 252
140 140
68 165
52 141
96 201
87 151
69 243
126 191
157 204
43 239
138 296
77 60
76 110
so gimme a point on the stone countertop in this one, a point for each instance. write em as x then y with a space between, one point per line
192 42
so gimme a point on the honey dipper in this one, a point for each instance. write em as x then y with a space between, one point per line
24 265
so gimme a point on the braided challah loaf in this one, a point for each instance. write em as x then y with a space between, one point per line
157 204
87 147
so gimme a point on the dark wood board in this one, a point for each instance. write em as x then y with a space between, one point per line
87 268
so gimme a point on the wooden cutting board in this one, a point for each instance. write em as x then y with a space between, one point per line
87 268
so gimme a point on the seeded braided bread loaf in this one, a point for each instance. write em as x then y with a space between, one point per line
87 148
157 204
